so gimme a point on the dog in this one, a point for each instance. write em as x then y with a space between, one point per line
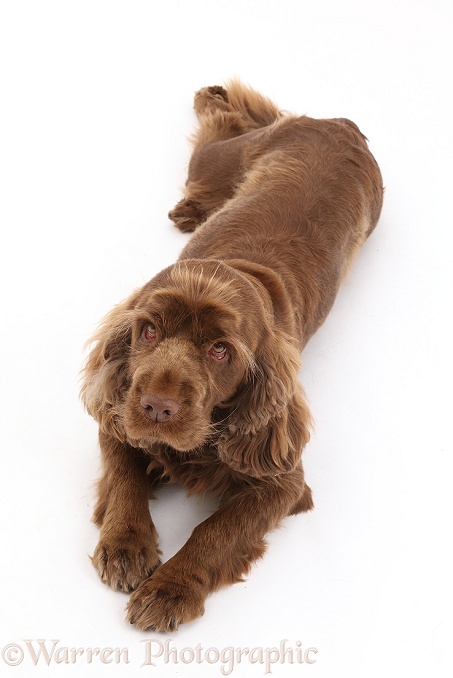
194 378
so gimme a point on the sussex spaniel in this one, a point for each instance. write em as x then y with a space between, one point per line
194 378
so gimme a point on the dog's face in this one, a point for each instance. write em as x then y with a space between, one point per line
192 343
195 357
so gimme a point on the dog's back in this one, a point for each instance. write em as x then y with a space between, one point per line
295 194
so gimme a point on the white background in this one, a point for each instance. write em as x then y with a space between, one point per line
96 109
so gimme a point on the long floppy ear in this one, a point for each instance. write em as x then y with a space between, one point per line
269 425
105 378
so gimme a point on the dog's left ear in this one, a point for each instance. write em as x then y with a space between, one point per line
270 421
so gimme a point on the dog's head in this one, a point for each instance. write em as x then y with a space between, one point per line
195 357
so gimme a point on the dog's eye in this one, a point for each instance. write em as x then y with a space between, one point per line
150 332
218 350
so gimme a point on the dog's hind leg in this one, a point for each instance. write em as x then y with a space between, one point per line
228 118
215 170
228 113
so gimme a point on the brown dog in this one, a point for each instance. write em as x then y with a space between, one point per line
194 378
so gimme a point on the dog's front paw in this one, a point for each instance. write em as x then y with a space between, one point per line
163 602
124 561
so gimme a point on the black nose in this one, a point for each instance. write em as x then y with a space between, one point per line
158 408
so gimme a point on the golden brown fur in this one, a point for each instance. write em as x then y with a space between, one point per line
194 378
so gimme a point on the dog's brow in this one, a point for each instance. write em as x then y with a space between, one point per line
199 284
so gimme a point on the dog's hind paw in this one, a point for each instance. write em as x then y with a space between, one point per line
187 215
211 98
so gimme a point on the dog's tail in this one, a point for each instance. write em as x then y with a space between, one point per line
256 109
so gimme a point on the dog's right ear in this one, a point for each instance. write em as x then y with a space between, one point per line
105 377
